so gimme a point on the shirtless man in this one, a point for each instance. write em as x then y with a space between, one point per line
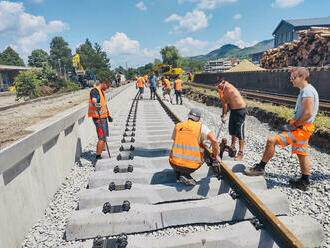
231 97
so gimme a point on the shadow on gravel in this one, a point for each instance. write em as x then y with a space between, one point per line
88 155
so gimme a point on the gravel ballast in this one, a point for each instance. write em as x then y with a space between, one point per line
49 231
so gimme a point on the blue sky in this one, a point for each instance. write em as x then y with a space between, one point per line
134 31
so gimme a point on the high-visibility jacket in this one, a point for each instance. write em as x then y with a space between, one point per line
221 93
140 82
104 111
167 84
298 139
186 151
178 84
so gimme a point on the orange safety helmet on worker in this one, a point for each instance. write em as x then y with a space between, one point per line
104 111
178 84
140 82
186 151
167 83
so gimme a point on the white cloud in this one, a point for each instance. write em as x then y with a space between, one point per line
26 29
141 6
237 16
191 47
208 4
121 44
233 37
286 3
124 50
191 22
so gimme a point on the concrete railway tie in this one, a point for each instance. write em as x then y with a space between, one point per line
136 192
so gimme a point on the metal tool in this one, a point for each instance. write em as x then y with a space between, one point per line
103 130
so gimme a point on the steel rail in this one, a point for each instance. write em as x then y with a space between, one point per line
275 98
281 234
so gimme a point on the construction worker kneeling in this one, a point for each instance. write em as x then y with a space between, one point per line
187 152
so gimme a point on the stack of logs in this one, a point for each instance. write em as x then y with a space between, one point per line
313 49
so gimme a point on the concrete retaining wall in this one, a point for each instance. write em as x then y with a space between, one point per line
277 81
32 169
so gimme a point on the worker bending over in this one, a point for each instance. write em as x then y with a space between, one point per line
178 89
140 85
231 97
98 110
297 132
187 152
166 88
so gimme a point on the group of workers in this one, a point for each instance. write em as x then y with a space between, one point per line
152 82
187 153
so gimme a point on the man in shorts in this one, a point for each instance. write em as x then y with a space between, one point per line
140 85
152 80
98 110
166 88
230 96
187 152
297 132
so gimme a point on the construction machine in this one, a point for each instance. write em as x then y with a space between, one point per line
85 78
168 71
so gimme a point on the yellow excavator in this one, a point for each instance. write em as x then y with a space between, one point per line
168 71
85 78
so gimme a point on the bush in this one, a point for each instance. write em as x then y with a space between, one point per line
68 86
27 85
46 74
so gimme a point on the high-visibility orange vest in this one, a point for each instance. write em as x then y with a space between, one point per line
186 151
221 93
167 84
178 84
104 111
140 82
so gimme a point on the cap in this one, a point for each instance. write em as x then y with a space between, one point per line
194 114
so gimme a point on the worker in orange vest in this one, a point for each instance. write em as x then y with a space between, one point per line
178 89
140 83
297 132
98 110
187 152
166 88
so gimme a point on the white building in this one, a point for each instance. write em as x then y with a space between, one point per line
218 65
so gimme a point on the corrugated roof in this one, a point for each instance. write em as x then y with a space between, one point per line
13 67
322 21
309 21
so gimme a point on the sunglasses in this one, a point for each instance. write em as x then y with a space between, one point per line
294 77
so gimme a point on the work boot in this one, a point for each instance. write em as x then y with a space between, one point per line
299 183
239 156
256 170
187 180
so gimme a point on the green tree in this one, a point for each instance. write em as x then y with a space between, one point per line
170 55
27 84
60 55
95 59
157 62
38 57
10 57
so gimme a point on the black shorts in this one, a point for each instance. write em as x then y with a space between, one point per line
141 90
99 130
236 123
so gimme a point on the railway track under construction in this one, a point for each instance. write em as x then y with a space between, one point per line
274 98
134 193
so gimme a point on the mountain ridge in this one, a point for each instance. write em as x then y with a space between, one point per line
233 51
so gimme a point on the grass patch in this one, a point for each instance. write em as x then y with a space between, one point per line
321 121
68 87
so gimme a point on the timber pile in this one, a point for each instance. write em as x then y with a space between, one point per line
313 49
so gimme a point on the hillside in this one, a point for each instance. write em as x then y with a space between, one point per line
232 51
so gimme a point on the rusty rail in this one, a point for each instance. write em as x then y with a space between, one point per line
282 235
324 106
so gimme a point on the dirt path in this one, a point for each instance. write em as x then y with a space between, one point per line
13 122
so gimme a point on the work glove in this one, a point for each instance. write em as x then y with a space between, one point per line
110 119
223 118
98 106
289 127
